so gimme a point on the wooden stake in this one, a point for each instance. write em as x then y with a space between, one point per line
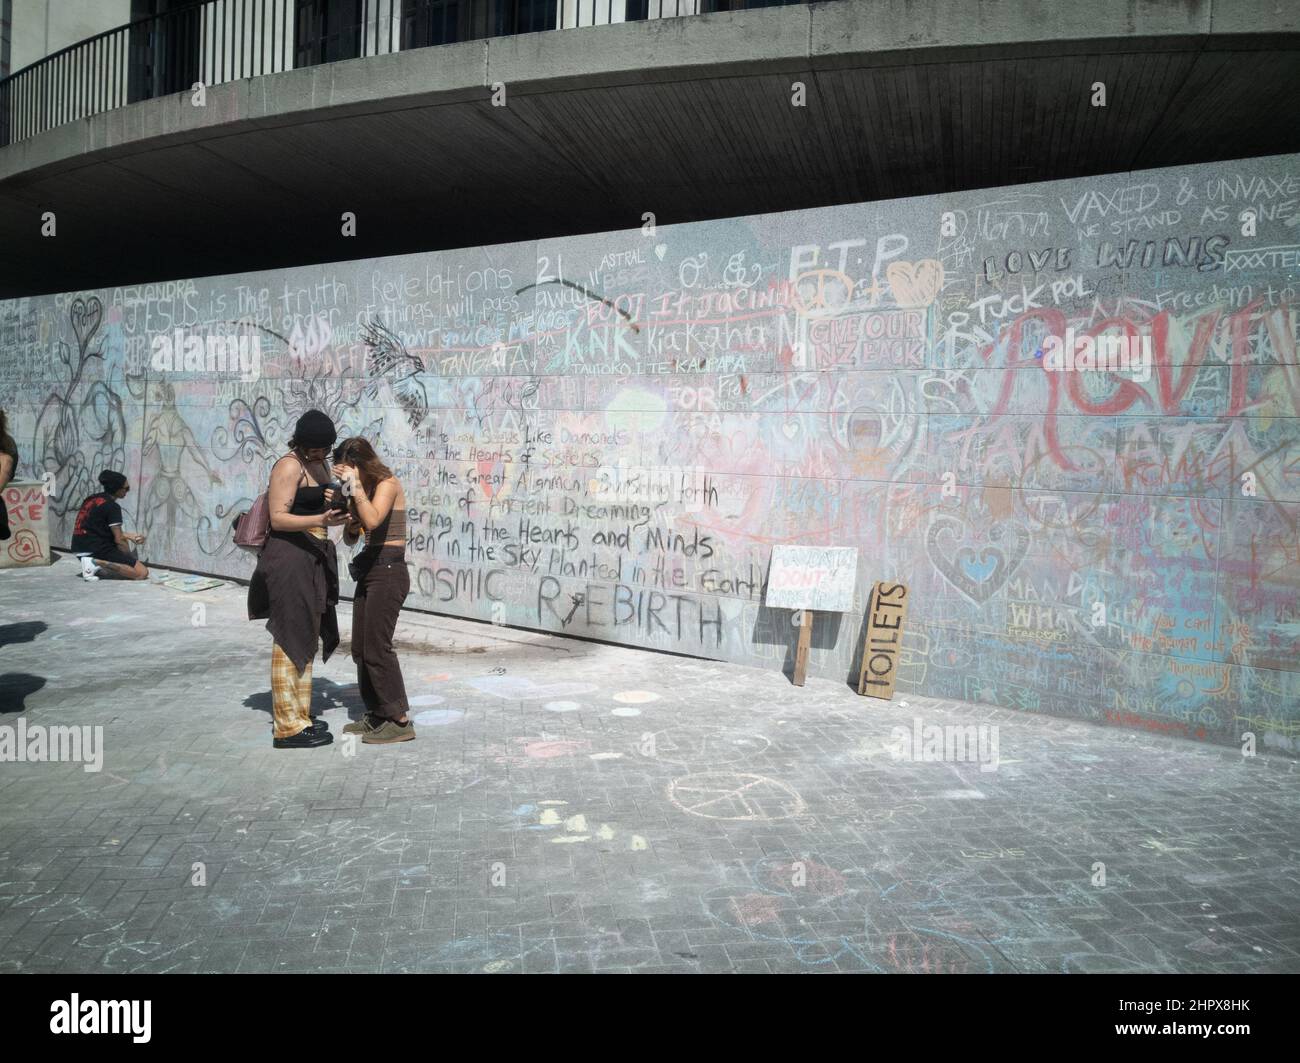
805 643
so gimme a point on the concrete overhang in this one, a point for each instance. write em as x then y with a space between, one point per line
689 118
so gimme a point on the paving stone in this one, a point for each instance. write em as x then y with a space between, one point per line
392 859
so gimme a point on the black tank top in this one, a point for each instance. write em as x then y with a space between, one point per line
308 501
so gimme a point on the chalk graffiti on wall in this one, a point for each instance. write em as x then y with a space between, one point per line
80 427
607 435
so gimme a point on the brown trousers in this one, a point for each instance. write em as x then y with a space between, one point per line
383 585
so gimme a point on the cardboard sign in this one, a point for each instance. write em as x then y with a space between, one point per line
28 509
821 578
180 581
884 641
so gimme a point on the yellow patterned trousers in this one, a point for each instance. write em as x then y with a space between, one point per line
290 695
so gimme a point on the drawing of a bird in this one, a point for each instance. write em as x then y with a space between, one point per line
388 359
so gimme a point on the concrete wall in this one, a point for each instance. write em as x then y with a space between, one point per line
861 376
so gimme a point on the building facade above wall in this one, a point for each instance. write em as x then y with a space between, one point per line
687 119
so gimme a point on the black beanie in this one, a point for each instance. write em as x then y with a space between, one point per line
314 429
111 481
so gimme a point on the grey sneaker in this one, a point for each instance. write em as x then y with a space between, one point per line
390 731
364 726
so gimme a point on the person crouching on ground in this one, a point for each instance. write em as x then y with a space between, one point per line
377 505
296 583
98 538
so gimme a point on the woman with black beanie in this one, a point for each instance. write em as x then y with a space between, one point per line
295 586
97 536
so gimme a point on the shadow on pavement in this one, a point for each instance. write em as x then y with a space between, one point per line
14 688
24 632
325 695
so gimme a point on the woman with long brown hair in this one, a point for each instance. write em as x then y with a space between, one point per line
377 506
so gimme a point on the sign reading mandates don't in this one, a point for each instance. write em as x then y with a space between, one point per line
811 579
821 578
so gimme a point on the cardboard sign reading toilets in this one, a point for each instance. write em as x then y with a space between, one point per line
884 641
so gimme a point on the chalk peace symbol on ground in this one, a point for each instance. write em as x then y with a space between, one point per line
734 795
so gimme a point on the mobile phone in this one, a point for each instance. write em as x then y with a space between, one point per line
340 503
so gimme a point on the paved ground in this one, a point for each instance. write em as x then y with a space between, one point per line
570 806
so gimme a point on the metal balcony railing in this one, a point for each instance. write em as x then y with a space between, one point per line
214 41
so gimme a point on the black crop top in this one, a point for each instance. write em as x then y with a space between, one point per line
308 502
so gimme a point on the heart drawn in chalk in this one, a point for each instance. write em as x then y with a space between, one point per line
915 283
790 429
977 570
660 251
85 320
25 547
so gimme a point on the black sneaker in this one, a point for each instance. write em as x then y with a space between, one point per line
307 738
319 725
